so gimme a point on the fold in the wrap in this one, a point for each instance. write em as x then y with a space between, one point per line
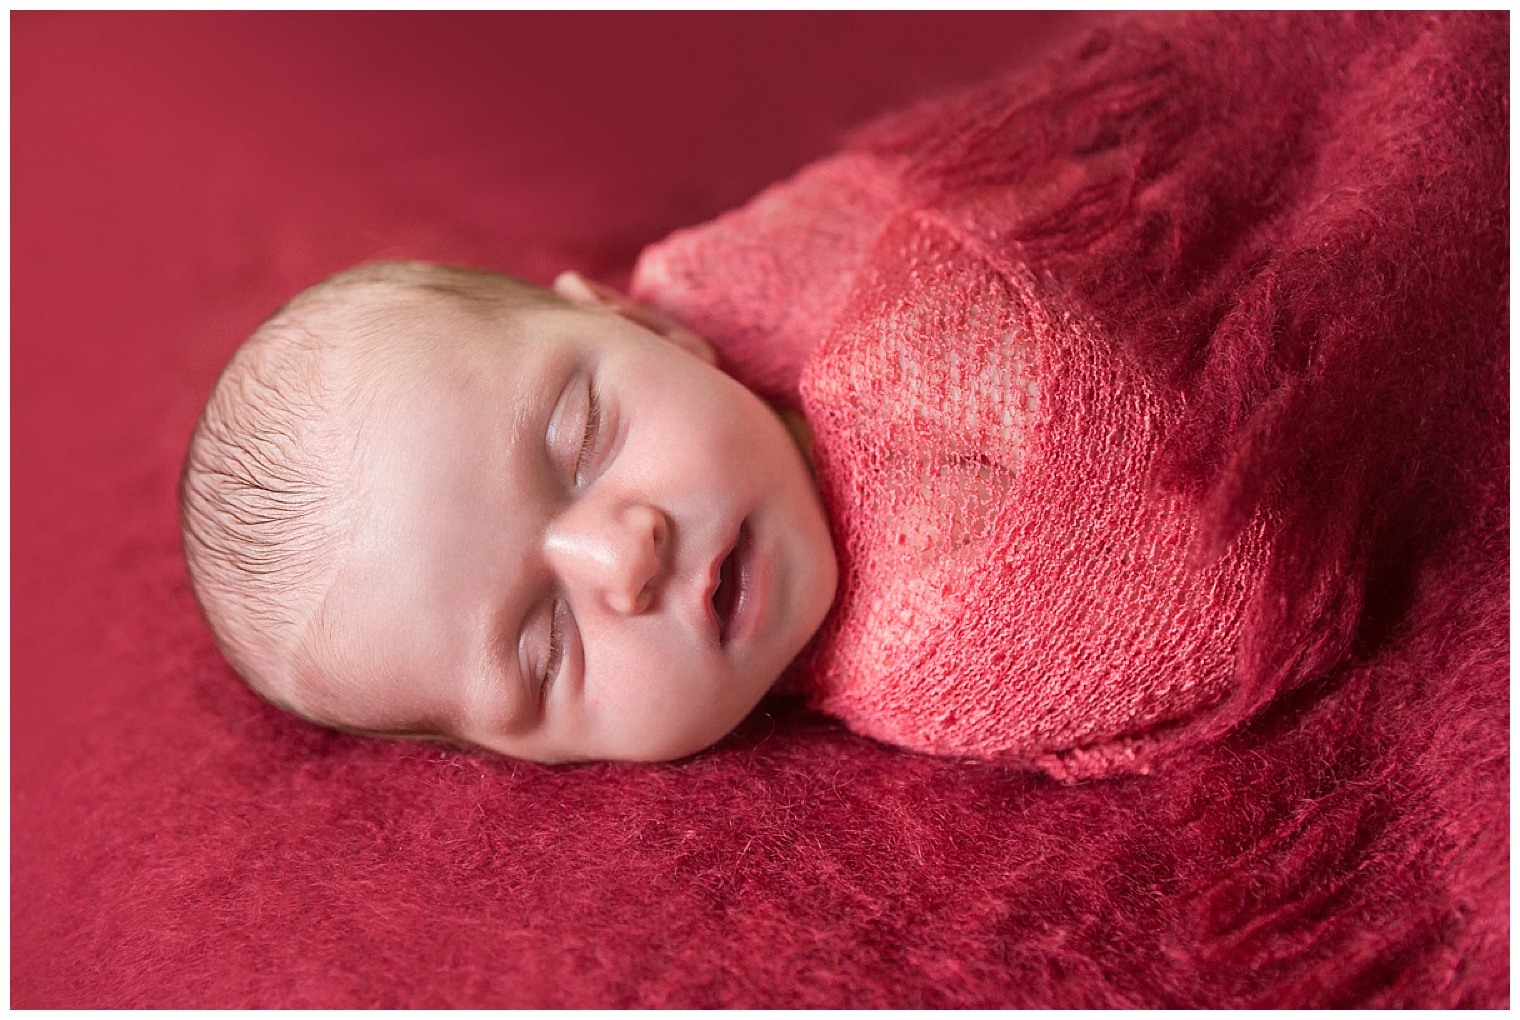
1130 377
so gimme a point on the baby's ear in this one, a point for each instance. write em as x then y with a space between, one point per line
575 287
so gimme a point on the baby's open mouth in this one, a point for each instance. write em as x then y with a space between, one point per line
725 597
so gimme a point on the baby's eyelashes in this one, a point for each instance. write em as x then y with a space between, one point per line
555 657
574 431
588 438
542 648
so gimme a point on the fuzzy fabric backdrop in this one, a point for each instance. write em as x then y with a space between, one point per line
178 843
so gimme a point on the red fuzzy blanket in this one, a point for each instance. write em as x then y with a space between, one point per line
176 842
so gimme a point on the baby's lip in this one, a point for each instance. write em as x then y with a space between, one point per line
728 574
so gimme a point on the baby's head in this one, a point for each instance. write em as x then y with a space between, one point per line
437 502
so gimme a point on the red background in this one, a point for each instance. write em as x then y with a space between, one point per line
175 843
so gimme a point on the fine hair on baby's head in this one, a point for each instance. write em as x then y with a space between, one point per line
430 501
266 483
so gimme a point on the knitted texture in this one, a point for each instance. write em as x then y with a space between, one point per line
177 842
739 279
1097 425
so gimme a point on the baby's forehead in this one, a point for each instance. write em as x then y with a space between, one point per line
405 325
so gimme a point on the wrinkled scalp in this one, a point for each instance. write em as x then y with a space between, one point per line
256 492
265 492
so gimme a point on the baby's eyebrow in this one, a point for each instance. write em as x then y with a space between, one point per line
531 418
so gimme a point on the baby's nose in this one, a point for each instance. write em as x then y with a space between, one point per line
617 555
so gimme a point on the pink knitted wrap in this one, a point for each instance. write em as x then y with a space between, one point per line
1121 375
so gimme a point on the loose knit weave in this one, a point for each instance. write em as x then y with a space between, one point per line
1127 379
176 842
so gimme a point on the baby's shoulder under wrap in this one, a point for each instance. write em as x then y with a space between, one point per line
1086 356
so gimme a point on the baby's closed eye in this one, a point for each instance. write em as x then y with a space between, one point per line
541 648
576 437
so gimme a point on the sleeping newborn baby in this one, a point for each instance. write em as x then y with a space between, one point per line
1076 350
437 502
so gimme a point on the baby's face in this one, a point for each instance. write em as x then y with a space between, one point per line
572 539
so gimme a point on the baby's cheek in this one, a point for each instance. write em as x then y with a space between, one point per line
666 704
